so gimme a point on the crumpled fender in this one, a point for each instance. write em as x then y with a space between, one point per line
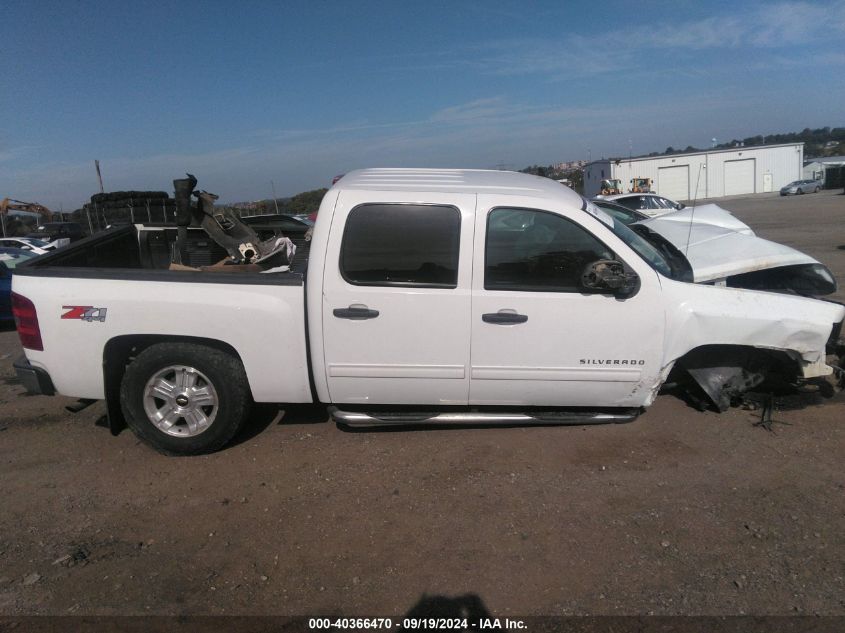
699 315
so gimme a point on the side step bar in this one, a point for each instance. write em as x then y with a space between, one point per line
472 418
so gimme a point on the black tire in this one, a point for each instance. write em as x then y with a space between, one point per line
817 190
223 371
800 192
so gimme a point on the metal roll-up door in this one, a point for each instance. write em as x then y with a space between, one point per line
739 176
673 182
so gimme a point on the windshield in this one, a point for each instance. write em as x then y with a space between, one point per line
36 242
643 248
657 252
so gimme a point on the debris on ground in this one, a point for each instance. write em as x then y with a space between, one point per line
766 420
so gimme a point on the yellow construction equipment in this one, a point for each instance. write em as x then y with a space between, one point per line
611 186
640 185
10 204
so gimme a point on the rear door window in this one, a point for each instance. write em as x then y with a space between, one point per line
401 245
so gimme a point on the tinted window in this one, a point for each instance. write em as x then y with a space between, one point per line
650 202
401 245
537 251
632 202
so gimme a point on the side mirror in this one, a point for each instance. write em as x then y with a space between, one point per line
680 206
610 276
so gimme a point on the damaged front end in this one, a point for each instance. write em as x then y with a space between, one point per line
724 342
717 376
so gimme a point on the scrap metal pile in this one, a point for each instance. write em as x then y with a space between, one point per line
240 241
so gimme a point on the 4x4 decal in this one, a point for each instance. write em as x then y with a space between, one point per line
84 313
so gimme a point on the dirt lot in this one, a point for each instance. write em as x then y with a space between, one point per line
680 512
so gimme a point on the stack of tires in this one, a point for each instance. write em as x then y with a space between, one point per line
132 206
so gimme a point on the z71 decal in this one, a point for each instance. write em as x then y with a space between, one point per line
84 313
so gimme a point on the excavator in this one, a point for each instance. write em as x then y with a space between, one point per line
10 204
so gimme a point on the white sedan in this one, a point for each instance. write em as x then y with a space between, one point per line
650 204
31 244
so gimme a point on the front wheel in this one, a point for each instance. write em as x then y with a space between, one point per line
184 398
800 192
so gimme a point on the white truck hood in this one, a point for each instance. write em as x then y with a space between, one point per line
716 251
711 214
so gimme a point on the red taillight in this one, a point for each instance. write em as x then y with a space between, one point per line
26 320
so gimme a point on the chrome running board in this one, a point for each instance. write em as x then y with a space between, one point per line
470 418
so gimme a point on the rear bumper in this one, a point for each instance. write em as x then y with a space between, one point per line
34 379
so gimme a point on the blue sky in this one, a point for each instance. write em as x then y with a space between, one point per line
295 92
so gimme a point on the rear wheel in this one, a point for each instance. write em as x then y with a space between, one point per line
184 398
816 190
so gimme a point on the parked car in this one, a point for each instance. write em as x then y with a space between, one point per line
620 212
721 249
39 247
801 187
649 203
419 307
705 213
9 259
53 231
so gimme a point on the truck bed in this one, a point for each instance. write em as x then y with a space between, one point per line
123 274
146 248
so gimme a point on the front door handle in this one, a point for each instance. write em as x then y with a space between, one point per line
356 312
504 317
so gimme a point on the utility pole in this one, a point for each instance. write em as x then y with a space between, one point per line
99 175
276 202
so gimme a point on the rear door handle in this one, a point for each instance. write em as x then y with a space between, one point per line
504 317
356 312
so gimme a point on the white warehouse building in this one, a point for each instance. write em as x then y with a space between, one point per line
706 174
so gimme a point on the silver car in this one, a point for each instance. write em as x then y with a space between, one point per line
801 186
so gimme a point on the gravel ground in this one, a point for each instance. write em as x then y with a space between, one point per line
680 512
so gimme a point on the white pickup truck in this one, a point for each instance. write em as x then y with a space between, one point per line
426 296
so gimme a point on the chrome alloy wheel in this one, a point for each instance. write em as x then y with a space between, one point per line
180 401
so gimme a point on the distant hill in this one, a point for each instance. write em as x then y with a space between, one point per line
305 202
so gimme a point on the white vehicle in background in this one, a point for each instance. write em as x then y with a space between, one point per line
650 204
36 246
431 297
724 250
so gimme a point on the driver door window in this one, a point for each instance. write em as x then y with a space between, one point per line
537 251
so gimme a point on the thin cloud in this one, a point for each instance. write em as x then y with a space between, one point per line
764 26
478 133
